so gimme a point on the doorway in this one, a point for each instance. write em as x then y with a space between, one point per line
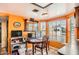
3 34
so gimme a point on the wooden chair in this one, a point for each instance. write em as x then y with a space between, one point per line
43 45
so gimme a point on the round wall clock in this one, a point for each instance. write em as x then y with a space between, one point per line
17 24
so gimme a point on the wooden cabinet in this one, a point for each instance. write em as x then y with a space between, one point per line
77 20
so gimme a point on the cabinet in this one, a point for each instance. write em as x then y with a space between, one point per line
77 20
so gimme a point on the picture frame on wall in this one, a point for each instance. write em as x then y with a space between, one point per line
17 24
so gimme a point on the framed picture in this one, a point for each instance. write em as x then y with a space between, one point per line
17 24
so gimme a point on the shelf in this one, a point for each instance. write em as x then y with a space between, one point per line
16 37
18 43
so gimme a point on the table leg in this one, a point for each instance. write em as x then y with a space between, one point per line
26 48
33 49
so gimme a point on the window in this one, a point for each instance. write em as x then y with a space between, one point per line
43 29
72 29
29 27
33 27
57 30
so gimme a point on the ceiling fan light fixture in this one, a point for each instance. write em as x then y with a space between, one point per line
35 10
44 13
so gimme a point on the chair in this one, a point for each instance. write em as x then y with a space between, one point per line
43 45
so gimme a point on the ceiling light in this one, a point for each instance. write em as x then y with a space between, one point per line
35 10
44 13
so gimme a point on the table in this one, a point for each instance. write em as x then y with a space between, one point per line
33 42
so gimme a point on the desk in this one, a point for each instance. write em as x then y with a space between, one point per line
33 42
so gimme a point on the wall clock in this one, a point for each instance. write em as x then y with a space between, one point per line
17 24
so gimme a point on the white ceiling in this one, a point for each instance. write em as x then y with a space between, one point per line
25 9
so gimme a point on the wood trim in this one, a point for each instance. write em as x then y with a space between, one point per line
3 14
47 28
67 29
59 17
25 24
41 6
9 14
77 21
39 26
70 14
56 18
